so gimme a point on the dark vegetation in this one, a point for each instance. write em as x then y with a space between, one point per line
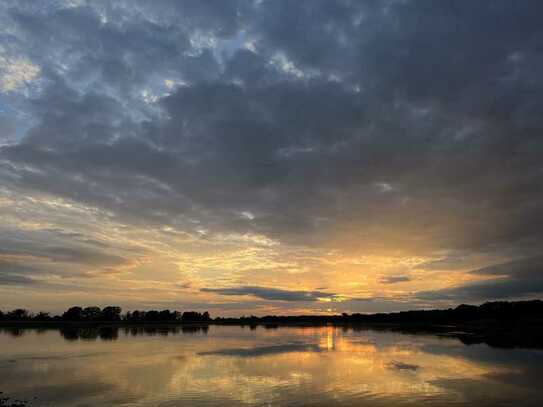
491 311
9 402
499 311
108 314
499 323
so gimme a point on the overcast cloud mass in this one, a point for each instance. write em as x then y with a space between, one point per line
270 156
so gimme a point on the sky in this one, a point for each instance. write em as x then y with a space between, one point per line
270 156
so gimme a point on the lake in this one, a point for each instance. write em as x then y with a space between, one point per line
286 366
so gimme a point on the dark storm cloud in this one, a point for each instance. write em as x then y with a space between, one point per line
513 279
380 121
273 294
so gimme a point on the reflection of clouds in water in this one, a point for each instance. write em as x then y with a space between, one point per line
403 366
232 366
264 350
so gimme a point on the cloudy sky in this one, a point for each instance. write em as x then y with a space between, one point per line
270 156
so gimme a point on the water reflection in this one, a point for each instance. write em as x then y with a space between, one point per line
109 333
170 366
90 334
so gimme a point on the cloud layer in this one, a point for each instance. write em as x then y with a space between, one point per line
509 280
252 144
272 293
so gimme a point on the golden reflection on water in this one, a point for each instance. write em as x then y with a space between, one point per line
235 366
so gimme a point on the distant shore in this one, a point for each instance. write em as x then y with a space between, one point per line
503 336
509 324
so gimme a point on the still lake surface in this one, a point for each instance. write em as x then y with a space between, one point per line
233 366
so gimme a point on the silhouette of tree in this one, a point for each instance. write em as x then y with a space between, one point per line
42 316
167 315
8 402
111 313
138 315
152 315
134 316
73 314
18 315
92 314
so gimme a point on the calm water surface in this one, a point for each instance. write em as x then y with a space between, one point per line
231 366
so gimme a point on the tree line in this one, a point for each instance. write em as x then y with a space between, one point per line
496 311
106 314
487 312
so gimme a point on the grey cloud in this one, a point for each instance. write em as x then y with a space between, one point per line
522 268
15 279
450 262
221 18
273 294
313 146
513 279
56 246
13 273
395 279
7 129
395 41
64 254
